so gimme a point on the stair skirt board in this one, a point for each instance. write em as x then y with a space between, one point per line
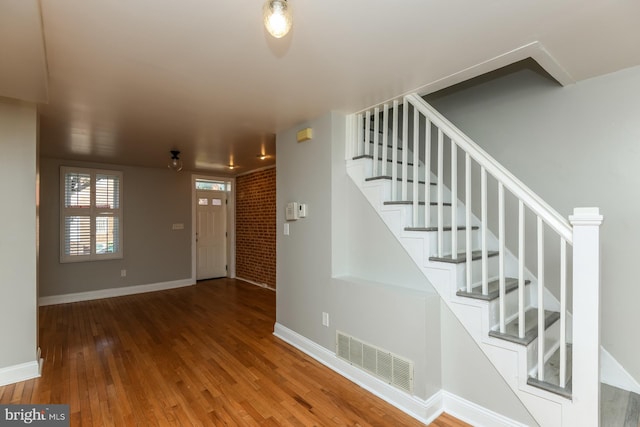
425 411
613 374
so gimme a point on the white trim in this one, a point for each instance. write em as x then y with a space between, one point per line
612 373
256 170
21 372
114 292
475 414
262 285
425 411
534 50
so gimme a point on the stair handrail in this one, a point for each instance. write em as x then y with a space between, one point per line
550 216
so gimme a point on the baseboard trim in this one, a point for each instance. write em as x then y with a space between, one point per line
262 285
614 374
114 292
21 372
475 414
423 410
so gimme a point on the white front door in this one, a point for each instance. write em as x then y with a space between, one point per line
211 234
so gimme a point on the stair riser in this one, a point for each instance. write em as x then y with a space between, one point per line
446 243
433 195
511 306
433 216
398 166
389 151
476 271
552 337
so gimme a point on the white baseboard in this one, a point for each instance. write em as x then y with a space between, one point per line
423 410
612 373
20 372
114 292
475 414
262 285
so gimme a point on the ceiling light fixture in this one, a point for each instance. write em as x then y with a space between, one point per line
232 166
277 17
262 156
175 163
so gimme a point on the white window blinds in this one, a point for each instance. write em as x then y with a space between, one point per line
91 217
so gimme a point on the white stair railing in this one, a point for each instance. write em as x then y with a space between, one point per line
416 112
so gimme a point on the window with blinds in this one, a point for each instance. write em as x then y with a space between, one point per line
91 216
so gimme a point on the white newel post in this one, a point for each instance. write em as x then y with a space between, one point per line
586 316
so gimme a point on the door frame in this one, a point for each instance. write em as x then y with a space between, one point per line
231 223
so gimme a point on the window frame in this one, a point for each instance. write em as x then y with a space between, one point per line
93 212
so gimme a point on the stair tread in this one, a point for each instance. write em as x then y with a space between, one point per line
510 284
389 177
446 228
560 391
462 257
399 147
409 202
370 156
531 326
551 381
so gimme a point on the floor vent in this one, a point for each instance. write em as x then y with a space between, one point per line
387 366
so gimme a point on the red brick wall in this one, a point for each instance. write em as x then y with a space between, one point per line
256 227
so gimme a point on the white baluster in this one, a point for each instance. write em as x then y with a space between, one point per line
483 209
467 202
416 160
454 200
440 191
521 326
563 312
359 149
385 138
405 146
367 132
427 173
394 153
501 238
376 139
540 300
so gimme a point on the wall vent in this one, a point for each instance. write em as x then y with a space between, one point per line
387 366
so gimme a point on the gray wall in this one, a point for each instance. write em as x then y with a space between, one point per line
153 200
342 259
574 146
18 299
467 373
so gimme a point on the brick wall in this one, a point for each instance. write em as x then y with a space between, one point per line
256 227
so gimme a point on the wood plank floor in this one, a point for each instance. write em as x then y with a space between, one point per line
201 355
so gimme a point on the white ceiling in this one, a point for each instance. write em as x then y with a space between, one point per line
128 80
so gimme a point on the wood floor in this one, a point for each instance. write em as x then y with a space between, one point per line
201 355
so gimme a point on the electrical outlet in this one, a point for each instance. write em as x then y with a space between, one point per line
325 319
123 273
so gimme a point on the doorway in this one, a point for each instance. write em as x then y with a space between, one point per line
212 213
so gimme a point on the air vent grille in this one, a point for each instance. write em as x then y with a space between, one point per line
387 366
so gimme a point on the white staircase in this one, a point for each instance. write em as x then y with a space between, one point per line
442 195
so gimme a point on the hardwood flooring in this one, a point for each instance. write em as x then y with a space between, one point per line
200 355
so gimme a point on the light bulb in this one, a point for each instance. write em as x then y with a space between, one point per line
277 17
